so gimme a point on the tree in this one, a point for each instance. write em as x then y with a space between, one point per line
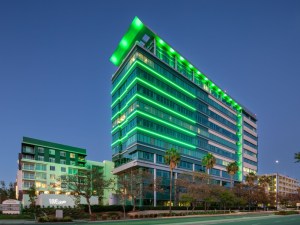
226 198
32 195
297 157
172 158
232 169
7 192
250 181
87 183
193 186
250 178
123 186
264 181
209 161
142 182
187 200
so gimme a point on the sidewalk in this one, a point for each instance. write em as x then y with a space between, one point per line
16 222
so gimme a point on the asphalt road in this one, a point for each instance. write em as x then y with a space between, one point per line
220 220
207 220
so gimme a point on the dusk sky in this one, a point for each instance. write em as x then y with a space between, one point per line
55 73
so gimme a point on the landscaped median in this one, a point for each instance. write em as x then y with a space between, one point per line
151 214
285 213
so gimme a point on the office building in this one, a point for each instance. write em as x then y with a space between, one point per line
42 164
282 184
161 100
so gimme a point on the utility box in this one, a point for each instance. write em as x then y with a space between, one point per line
59 214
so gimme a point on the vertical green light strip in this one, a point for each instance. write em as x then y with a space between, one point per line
240 145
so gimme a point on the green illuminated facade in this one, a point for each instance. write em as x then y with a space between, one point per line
160 101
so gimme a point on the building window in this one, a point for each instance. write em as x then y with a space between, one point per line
72 163
51 152
72 155
52 160
62 161
52 176
40 158
40 167
41 150
63 169
62 154
52 168
29 149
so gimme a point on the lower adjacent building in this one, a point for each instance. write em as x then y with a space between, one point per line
42 164
282 184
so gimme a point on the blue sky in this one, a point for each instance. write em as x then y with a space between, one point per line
55 71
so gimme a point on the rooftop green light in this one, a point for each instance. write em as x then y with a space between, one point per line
137 22
135 33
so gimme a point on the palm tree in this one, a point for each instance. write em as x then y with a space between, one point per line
232 169
297 157
209 161
250 178
172 158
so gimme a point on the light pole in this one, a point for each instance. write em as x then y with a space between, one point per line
277 182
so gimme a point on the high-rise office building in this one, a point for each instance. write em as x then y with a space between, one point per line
42 164
160 100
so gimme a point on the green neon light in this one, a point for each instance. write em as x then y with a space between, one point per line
152 72
167 109
154 103
125 106
166 94
127 41
124 43
153 118
154 134
161 42
136 31
165 79
124 77
153 87
137 22
125 92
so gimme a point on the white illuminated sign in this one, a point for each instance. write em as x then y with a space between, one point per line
55 201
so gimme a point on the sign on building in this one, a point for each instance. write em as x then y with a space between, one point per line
11 206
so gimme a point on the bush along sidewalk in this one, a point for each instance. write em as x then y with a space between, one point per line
285 213
45 219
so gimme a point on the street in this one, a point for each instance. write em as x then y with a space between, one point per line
203 220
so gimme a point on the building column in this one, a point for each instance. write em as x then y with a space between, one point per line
154 191
154 46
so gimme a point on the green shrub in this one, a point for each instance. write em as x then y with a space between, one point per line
43 219
104 217
284 213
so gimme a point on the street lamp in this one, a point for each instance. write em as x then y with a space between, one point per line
277 182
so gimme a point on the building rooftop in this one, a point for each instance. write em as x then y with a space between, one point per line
138 30
53 145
